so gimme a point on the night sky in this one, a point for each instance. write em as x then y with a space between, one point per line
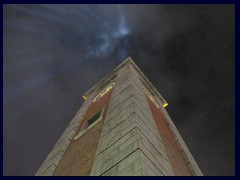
55 53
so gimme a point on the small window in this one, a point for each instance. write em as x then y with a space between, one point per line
92 119
91 122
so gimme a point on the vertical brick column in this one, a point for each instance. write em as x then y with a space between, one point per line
130 143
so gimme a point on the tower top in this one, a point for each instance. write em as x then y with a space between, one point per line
110 77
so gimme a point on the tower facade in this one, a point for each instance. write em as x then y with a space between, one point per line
121 129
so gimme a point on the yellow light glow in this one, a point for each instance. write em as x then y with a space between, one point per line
84 97
165 104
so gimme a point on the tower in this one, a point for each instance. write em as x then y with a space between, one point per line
122 128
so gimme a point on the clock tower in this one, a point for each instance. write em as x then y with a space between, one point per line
122 129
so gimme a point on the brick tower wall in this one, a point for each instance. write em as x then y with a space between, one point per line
79 156
174 154
134 137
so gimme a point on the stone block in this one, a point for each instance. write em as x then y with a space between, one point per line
147 119
151 138
129 161
148 130
54 159
120 90
150 167
47 172
120 106
140 172
111 172
155 156
116 140
120 149
119 125
128 110
128 171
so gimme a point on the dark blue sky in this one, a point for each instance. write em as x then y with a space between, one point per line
54 53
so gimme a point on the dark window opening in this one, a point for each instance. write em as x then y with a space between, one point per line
93 119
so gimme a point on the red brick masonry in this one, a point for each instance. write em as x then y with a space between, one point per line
79 156
175 156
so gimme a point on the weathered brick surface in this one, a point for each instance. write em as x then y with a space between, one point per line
175 156
79 157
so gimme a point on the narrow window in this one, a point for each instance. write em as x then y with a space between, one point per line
91 122
92 119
